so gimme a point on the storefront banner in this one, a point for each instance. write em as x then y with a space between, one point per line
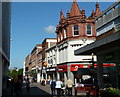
62 68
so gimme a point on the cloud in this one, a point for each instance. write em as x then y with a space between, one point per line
50 29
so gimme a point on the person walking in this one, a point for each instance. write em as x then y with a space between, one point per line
18 86
53 84
58 87
69 86
27 85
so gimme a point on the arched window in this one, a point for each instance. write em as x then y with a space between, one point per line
89 30
75 30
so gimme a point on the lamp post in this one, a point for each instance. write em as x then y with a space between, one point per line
94 77
92 66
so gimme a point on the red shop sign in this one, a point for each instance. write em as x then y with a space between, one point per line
104 65
74 67
62 68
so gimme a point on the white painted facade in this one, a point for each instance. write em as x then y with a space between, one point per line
64 54
51 56
66 51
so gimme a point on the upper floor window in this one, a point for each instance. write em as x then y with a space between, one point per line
76 30
64 33
58 38
89 30
61 37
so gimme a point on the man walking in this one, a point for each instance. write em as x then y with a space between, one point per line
53 84
69 87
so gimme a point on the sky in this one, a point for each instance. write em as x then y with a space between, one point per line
32 22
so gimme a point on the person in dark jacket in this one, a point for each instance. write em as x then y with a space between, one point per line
28 85
53 84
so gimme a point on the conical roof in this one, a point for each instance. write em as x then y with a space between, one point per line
97 10
75 11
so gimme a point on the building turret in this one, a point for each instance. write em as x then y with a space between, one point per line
97 12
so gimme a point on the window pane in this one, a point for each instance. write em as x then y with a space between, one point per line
89 29
76 32
75 27
89 32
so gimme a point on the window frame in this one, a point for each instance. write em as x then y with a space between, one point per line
88 29
75 30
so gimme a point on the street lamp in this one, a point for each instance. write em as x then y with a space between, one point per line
92 66
95 81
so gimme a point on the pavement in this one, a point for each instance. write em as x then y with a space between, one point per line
37 90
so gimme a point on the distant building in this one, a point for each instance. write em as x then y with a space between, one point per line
51 58
47 43
5 21
73 32
106 47
31 62
39 64
26 65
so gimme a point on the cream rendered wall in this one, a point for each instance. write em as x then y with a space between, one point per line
66 54
71 57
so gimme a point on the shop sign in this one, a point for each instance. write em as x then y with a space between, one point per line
74 67
52 69
62 68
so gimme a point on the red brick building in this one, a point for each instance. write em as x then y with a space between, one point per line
73 32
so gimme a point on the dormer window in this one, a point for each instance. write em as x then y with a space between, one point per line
89 30
75 30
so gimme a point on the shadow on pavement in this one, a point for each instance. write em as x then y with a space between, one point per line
34 92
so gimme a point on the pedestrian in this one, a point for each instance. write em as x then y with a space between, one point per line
69 86
53 84
43 82
27 85
18 86
58 87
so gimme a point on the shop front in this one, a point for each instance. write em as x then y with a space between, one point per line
81 72
62 72
51 73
